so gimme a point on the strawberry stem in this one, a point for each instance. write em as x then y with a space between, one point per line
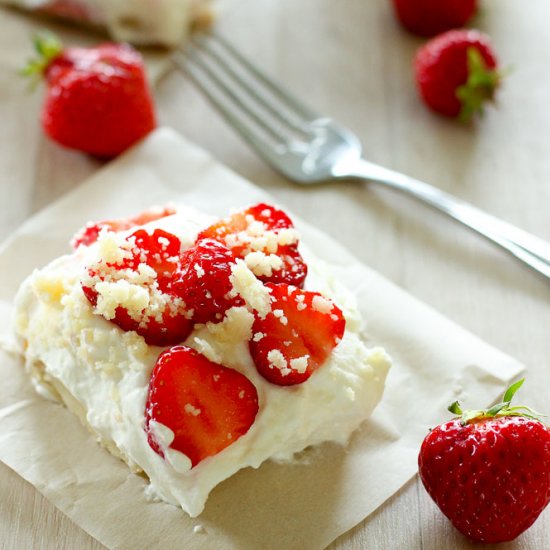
455 408
48 47
480 86
511 391
500 409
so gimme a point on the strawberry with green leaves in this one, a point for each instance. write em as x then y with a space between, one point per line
97 99
489 470
456 73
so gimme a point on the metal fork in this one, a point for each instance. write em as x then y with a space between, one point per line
308 148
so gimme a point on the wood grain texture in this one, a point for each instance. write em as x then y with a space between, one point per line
350 60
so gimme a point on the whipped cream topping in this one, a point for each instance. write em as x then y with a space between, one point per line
106 371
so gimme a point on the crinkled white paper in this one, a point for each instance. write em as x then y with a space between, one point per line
302 505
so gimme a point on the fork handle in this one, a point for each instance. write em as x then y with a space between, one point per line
529 249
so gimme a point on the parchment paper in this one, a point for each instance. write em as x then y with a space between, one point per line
302 506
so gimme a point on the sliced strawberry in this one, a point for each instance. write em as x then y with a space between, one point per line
297 336
90 232
159 250
170 330
272 218
165 321
203 280
293 271
206 405
262 228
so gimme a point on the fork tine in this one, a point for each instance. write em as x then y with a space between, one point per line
201 71
229 58
245 129
291 101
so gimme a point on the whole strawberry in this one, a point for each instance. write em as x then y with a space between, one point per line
97 99
489 470
456 72
431 17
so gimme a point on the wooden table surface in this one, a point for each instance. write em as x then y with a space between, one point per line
349 60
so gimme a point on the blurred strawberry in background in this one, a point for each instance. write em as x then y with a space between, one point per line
431 17
97 99
457 72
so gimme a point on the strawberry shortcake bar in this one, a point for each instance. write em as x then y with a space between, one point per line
193 347
145 22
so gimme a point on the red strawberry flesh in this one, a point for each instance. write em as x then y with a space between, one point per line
206 405
160 251
204 280
239 231
431 17
273 219
90 232
296 337
98 99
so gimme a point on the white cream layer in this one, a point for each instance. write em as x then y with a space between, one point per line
107 371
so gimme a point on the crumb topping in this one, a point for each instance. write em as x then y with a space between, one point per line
189 409
235 327
135 288
257 237
251 290
322 305
262 264
277 361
